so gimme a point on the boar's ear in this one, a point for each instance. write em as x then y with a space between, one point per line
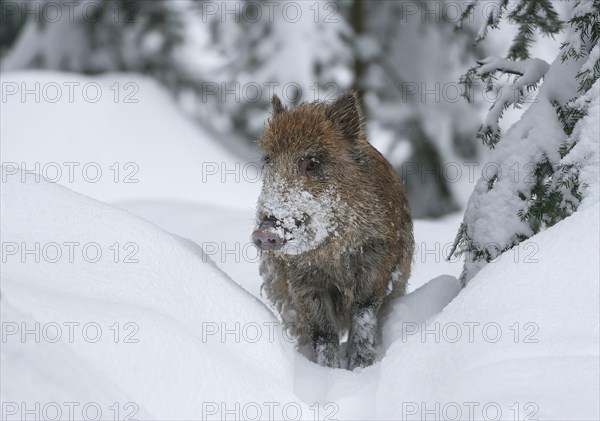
346 116
277 106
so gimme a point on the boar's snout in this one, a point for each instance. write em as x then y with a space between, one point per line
265 239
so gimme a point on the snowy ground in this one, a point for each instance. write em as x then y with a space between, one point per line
121 317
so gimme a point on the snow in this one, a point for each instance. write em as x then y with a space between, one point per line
582 8
530 72
183 334
591 60
182 304
171 295
130 144
585 155
304 220
537 134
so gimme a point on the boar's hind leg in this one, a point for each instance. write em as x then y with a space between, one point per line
363 335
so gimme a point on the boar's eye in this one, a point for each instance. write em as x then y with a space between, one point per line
266 160
310 166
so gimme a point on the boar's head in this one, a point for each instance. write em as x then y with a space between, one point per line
313 159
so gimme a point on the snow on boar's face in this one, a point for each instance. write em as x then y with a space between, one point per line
310 158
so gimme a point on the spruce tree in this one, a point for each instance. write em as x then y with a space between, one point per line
535 179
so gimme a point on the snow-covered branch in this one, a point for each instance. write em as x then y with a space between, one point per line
494 13
529 73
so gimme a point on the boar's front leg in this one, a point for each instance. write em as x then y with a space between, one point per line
326 340
363 334
315 310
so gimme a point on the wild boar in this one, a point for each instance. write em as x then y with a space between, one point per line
334 229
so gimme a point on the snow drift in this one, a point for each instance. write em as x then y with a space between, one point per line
117 137
162 291
161 333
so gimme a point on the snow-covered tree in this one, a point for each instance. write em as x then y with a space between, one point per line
96 36
408 58
543 167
